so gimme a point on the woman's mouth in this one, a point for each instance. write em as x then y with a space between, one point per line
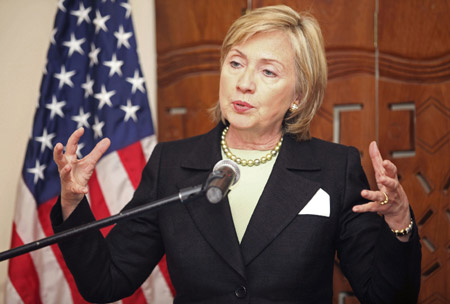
241 106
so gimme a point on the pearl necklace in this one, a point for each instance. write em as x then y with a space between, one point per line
249 162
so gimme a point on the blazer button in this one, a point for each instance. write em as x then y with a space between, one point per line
240 292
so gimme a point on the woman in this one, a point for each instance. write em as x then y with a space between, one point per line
298 202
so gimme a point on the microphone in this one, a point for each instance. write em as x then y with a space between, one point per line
225 173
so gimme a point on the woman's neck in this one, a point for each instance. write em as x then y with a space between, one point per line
250 140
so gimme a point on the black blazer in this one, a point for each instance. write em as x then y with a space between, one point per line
284 257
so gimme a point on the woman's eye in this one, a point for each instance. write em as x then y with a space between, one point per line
235 64
269 73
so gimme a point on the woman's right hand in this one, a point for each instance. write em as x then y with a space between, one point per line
75 173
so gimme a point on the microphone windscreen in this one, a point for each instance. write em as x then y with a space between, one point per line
230 164
225 173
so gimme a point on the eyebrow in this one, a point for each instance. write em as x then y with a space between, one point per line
270 60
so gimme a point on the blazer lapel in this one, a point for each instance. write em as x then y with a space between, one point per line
214 221
285 194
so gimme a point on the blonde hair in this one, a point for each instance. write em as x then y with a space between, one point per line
310 62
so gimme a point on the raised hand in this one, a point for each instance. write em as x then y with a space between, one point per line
390 199
75 173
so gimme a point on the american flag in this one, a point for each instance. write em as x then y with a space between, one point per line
92 79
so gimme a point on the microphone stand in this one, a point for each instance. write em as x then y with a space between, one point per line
184 195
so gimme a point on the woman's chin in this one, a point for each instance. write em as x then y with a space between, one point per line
240 123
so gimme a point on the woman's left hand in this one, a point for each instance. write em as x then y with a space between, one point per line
396 209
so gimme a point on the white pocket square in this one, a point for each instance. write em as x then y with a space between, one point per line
318 205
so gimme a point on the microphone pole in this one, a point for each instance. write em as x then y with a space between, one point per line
184 195
225 173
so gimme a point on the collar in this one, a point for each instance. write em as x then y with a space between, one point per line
298 155
205 152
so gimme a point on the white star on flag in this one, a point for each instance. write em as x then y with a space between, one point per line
45 140
64 77
38 171
114 65
130 111
87 86
97 128
137 82
100 21
104 97
82 118
52 38
127 6
61 5
79 147
122 38
93 55
56 107
74 44
82 14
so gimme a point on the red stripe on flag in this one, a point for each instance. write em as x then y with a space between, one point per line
98 203
22 273
44 218
136 298
163 267
133 159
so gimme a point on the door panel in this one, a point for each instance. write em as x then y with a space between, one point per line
414 124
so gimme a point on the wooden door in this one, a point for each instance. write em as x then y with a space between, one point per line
414 123
389 80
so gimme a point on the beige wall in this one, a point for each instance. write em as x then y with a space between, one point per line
25 27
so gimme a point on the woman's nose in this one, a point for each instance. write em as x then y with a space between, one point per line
246 83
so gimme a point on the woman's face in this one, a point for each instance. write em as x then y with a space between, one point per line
257 83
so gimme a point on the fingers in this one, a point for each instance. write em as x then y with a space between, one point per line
381 167
390 168
377 160
75 173
385 170
65 174
389 183
396 204
71 147
66 179
369 207
376 196
58 156
99 149
374 206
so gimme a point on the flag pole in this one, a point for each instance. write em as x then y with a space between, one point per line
183 195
